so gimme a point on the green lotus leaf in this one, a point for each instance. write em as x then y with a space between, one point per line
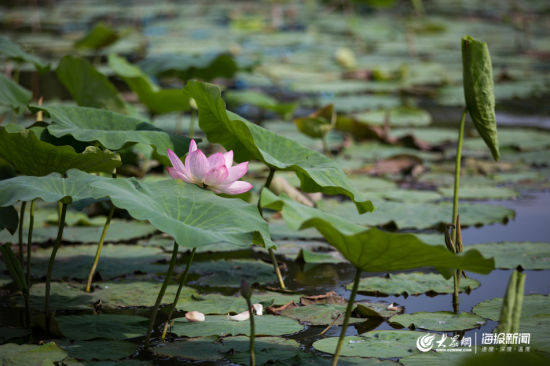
13 95
100 36
221 325
318 123
50 188
120 230
373 250
14 52
12 354
533 305
317 173
157 100
98 350
106 326
220 304
116 260
510 255
193 216
320 314
380 343
260 100
89 87
114 131
205 67
398 117
229 273
438 321
478 90
481 193
31 156
413 283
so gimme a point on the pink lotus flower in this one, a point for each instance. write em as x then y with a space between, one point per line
214 172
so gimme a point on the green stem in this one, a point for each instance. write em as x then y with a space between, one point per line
21 221
252 332
161 293
99 247
50 264
349 308
326 150
271 253
183 280
457 171
458 161
29 247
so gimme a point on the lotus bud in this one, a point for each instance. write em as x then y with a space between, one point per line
246 291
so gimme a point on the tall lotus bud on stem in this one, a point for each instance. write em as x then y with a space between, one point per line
246 292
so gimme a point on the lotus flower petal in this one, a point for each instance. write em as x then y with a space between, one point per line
195 316
192 146
245 315
228 156
237 187
236 172
258 309
216 176
216 160
198 166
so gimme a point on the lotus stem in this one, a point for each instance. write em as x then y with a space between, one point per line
20 232
99 247
349 308
161 293
29 247
271 253
252 332
326 149
50 264
456 274
183 280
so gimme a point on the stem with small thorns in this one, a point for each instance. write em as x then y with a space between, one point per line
51 262
161 293
271 253
29 247
349 308
99 247
183 280
21 221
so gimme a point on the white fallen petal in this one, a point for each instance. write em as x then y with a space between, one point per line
258 309
393 307
240 317
194 316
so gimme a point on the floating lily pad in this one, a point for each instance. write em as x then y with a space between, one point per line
98 350
414 283
106 326
220 304
197 349
381 344
63 296
7 333
438 321
320 314
308 256
376 309
260 100
221 325
533 305
481 193
130 362
400 116
418 215
119 230
409 195
267 350
435 358
539 329
116 260
230 273
509 255
28 354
